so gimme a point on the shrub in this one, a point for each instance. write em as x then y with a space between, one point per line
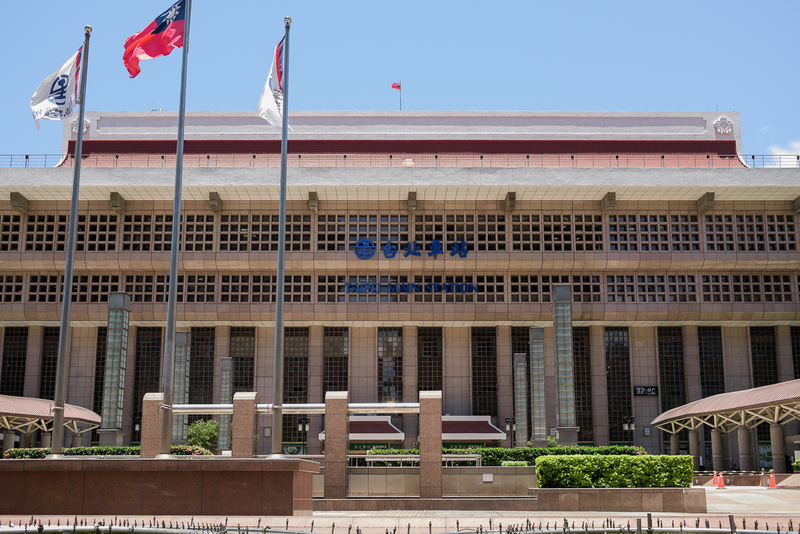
39 453
796 467
204 434
598 471
514 464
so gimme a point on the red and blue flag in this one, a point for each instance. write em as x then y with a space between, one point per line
396 86
157 39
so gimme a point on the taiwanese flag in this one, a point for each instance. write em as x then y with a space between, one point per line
158 39
395 86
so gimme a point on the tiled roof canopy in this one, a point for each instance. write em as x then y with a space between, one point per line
28 414
774 404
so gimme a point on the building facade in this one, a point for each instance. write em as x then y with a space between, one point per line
421 248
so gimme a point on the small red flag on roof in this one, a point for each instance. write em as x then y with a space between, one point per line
396 86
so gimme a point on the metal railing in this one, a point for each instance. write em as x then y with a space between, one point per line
622 161
305 409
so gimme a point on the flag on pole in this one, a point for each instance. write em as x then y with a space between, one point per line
158 39
270 105
396 86
57 95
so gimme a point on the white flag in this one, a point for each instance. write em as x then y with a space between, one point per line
270 105
56 97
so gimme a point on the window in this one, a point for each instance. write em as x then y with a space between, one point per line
618 382
243 352
712 369
15 353
484 371
582 368
99 374
147 373
390 365
47 373
429 359
295 379
201 369
335 359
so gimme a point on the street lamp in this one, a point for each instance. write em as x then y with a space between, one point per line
629 423
303 426
511 427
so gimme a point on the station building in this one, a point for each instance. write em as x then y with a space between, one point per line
421 248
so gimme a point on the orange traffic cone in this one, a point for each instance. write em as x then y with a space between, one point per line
714 480
772 478
721 480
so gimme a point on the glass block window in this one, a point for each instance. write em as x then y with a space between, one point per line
484 371
756 232
201 369
582 367
716 288
298 233
331 231
264 233
712 368
148 232
47 373
96 233
235 288
618 382
586 288
335 349
526 233
390 365
685 231
423 280
393 228
428 228
233 233
101 286
588 233
623 233
491 232
243 356
331 288
520 344
393 280
764 355
460 227
621 288
458 297
781 236
10 226
46 233
147 377
11 287
295 379
44 288
524 288
297 289
99 373
15 354
429 358
720 233
762 288
361 227
795 333
670 364
490 288
557 232
546 287
198 232
361 280
198 288
147 287
681 288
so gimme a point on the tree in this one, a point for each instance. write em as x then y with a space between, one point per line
204 434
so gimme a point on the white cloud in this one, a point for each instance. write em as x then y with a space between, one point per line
765 130
793 148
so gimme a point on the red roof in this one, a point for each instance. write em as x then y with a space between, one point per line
373 427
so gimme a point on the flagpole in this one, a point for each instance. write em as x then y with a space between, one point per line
169 344
63 335
401 95
277 374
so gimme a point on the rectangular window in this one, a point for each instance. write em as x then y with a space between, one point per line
582 368
390 365
764 354
429 358
201 369
484 371
712 368
15 353
295 379
796 350
335 359
670 366
147 377
618 382
99 373
243 354
47 375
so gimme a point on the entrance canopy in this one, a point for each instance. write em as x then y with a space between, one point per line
371 428
773 404
28 415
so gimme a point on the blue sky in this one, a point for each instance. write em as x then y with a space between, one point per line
466 55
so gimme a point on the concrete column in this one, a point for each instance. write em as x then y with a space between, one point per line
8 440
151 425
745 450
430 445
33 360
363 375
26 441
674 444
46 437
778 448
244 436
599 384
316 334
76 440
457 370
410 384
694 448
337 444
717 452
505 384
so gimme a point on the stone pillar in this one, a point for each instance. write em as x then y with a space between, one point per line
46 437
430 444
694 448
76 440
151 425
25 442
8 440
674 444
778 448
717 453
337 444
745 450
244 438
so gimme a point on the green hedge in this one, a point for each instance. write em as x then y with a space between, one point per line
178 450
495 456
796 466
597 471
515 464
